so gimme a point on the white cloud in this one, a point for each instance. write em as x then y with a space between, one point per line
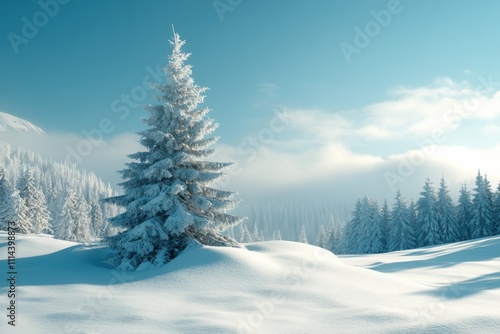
491 129
445 105
313 156
334 172
316 152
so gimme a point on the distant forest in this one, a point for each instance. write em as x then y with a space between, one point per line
44 196
372 228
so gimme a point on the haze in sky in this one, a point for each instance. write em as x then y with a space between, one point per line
311 96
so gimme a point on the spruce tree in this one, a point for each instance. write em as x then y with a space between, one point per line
15 211
81 213
12 208
446 214
464 214
412 212
366 233
401 234
334 238
168 200
5 202
430 231
256 235
488 191
321 238
385 218
482 220
303 235
496 211
36 210
96 217
245 235
66 222
373 233
351 231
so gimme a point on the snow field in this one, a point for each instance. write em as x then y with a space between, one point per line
269 287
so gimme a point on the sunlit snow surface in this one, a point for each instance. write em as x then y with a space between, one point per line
9 122
270 287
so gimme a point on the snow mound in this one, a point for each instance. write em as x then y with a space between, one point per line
9 122
269 287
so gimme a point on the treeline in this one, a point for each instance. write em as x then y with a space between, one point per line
43 196
287 217
373 228
434 219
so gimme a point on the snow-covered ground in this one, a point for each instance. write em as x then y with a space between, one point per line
270 287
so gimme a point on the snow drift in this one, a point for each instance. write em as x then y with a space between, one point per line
270 287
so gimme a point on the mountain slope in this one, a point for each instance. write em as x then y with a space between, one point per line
270 287
10 122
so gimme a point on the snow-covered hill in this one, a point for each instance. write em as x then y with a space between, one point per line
270 287
9 122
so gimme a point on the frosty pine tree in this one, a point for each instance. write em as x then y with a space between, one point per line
167 198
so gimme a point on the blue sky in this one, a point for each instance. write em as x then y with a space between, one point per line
260 57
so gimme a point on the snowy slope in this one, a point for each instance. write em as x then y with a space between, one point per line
270 287
9 122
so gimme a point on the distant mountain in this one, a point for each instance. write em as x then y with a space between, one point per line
9 122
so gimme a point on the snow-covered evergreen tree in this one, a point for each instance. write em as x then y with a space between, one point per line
14 210
303 235
277 235
66 222
5 201
401 233
373 226
446 214
21 184
96 218
51 179
82 221
352 231
257 235
245 235
321 238
364 232
488 191
385 218
482 218
430 231
35 204
334 238
168 198
464 214
496 211
412 212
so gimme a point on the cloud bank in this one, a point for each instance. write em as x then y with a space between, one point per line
335 156
435 131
